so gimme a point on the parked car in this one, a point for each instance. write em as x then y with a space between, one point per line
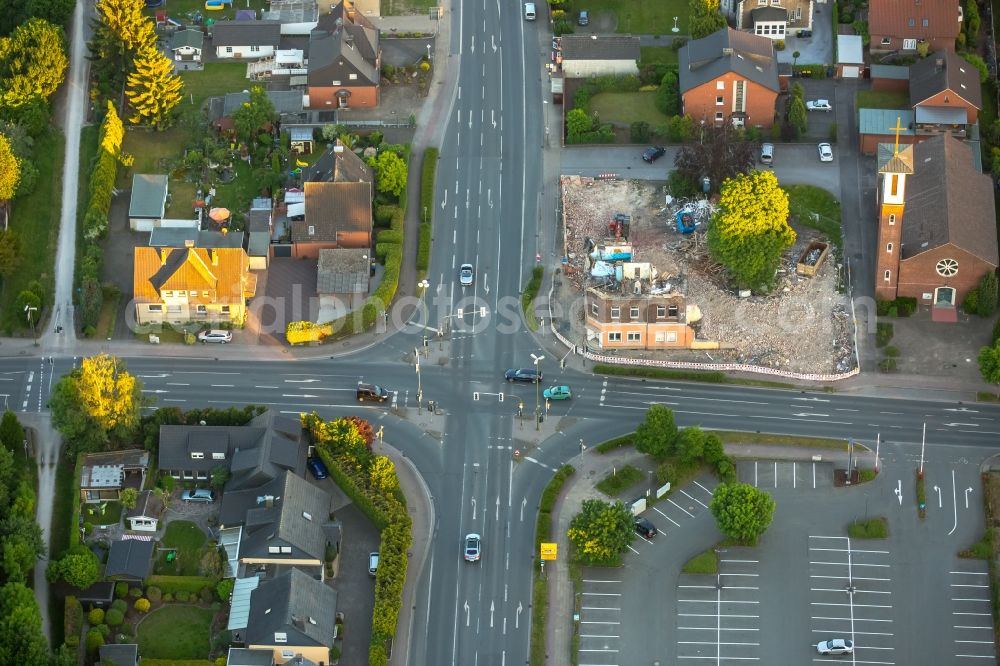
529 11
583 18
825 152
372 564
466 274
523 375
215 335
204 495
805 33
473 546
557 393
653 153
317 468
835 646
645 528
372 392
819 105
767 153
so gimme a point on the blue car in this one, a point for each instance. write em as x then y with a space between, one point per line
317 468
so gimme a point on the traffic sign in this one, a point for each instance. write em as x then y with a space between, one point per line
549 551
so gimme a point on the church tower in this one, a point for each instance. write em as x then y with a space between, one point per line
894 166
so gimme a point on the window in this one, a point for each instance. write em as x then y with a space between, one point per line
672 311
888 248
719 101
204 293
614 337
661 311
254 49
273 549
167 293
218 455
280 637
312 230
633 313
761 2
616 312
718 116
286 550
352 77
909 45
886 41
197 455
947 268
202 310
155 307
193 294
911 22
925 23
720 85
635 337
594 309
892 219
798 13
885 276
335 83
288 654
229 49
660 337
666 336
225 309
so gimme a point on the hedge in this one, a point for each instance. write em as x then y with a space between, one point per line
528 297
428 169
299 332
175 584
72 617
616 443
424 247
74 524
146 661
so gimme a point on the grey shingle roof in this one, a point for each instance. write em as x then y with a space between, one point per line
130 559
338 164
333 208
189 237
285 102
343 271
147 506
948 201
898 72
945 71
295 604
706 59
149 195
596 47
246 33
120 654
248 657
340 45
182 38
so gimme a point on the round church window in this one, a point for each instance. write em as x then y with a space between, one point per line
947 267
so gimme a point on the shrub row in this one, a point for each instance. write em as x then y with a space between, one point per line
427 172
192 585
72 618
658 373
528 297
903 306
74 529
300 332
616 443
543 532
424 247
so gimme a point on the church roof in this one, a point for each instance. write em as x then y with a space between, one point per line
890 161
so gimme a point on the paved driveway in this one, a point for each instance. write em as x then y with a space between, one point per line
815 50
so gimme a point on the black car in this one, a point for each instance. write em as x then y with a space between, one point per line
372 392
805 33
583 18
653 153
645 528
523 375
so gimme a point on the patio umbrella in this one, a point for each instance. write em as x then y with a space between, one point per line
219 214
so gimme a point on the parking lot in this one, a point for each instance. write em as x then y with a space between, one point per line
600 618
972 626
769 475
686 503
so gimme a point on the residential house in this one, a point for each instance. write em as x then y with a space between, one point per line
301 140
850 57
192 237
937 225
890 78
291 615
179 285
248 657
245 39
337 215
344 274
186 45
584 56
279 524
130 559
729 76
148 201
899 25
297 17
629 318
98 595
145 516
119 654
104 475
259 236
774 19
345 61
878 126
339 164
945 93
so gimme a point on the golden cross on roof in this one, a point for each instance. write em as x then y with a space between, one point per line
897 129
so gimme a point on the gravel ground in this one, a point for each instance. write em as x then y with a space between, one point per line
803 326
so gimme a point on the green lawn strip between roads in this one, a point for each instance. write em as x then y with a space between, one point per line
175 631
540 593
705 562
737 437
528 297
873 528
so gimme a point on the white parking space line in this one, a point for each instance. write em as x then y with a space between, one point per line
666 516
680 507
693 499
703 487
971 611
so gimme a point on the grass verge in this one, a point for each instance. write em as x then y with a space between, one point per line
619 480
616 443
540 590
881 99
528 297
982 549
175 632
983 396
705 562
873 528
736 437
710 377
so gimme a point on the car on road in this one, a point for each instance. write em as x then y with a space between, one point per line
557 393
466 274
653 153
835 646
805 33
215 335
523 375
645 528
473 547
317 468
819 105
372 392
583 18
825 152
372 564
203 495
529 11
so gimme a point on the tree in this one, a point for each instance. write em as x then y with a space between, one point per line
719 155
129 497
390 173
11 431
987 295
220 475
741 511
668 95
213 563
578 122
21 627
658 433
114 617
601 532
750 231
704 18
32 63
153 90
10 170
691 444
713 451
989 363
795 56
80 567
797 115
253 115
22 546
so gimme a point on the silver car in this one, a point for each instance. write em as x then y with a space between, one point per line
835 646
215 335
466 274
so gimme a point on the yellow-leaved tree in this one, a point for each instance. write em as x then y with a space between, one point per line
750 231
153 90
124 19
33 63
10 170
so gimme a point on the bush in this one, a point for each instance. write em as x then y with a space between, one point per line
225 588
119 605
95 616
970 305
873 528
996 332
779 45
888 365
206 595
72 618
182 596
114 617
616 443
528 297
987 295
135 592
727 471
154 594
891 351
167 598
639 131
424 247
142 605
428 169
883 334
94 640
619 480
666 473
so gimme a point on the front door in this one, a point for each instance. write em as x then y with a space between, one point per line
944 296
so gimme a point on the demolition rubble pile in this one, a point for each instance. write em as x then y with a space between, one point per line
804 325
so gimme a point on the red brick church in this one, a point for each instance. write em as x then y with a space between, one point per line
937 227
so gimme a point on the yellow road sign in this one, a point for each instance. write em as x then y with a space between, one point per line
549 551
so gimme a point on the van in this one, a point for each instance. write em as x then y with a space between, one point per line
529 11
766 153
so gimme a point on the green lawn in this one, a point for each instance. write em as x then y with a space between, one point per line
218 78
189 541
651 54
184 10
237 195
175 632
705 562
153 152
881 99
733 437
620 480
402 7
111 514
814 207
182 194
623 109
35 219
636 16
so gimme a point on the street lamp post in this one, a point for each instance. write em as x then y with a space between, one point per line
428 53
420 392
538 391
31 322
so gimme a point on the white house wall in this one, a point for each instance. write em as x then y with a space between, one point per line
581 69
243 52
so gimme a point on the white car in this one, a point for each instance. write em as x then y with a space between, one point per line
835 646
825 152
819 105
466 274
473 548
222 337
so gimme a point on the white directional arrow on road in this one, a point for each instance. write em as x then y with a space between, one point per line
517 618
938 491
466 613
498 509
493 119
155 391
493 41
967 491
899 491
812 399
809 414
492 608
444 202
301 381
159 376
473 508
524 503
473 43
968 425
961 409
292 395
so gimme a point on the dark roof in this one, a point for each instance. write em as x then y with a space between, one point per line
248 657
338 164
149 195
943 71
294 604
246 33
342 44
127 458
343 271
332 208
100 593
120 654
147 506
595 47
285 102
259 221
948 201
129 559
706 59
770 13
182 38
179 237
898 72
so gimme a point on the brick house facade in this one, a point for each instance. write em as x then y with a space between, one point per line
345 61
637 321
899 25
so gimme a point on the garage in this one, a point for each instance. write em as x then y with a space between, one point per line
850 57
850 72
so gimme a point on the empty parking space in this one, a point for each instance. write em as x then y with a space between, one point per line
718 617
600 619
972 614
769 474
850 597
681 505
